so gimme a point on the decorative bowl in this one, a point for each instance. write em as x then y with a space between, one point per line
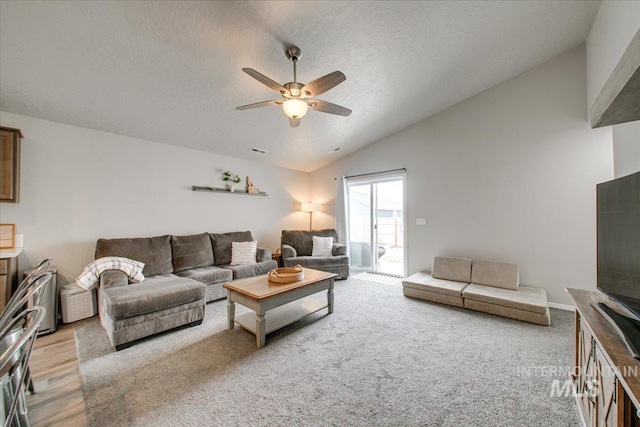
286 275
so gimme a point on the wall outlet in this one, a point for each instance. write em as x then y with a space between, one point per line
421 221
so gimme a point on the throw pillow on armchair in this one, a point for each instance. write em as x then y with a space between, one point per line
322 246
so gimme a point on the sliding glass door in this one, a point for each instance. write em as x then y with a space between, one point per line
360 226
376 224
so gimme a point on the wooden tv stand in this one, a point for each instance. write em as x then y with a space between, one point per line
605 378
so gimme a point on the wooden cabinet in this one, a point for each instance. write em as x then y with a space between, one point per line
4 295
584 372
605 378
607 409
8 279
10 164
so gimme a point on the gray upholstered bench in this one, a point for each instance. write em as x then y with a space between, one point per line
487 286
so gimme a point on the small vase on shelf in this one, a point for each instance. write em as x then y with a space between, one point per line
231 179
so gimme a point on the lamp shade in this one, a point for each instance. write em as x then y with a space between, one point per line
310 207
295 108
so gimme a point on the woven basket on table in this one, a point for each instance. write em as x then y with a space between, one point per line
286 275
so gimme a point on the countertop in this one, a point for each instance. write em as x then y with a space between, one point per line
10 253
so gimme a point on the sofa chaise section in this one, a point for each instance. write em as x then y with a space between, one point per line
158 304
162 302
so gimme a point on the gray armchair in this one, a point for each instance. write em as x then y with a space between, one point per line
297 246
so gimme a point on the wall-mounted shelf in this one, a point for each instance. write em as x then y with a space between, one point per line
222 190
618 99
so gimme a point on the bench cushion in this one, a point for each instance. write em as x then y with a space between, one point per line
154 294
432 296
426 282
207 275
450 268
512 313
497 274
191 251
526 298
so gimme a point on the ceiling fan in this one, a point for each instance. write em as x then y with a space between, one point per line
297 98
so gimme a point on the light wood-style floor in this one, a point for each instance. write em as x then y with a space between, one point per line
54 367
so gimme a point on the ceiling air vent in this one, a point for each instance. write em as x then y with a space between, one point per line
259 150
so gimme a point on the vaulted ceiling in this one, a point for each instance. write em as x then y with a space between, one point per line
170 71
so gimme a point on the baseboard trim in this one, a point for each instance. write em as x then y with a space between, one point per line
565 307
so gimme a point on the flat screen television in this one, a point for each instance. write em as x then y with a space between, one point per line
618 248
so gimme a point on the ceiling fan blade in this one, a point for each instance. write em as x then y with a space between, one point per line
327 107
266 81
323 84
294 123
259 104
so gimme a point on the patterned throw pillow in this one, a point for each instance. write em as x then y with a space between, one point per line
322 246
243 253
91 274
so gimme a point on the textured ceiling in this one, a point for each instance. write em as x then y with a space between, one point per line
170 72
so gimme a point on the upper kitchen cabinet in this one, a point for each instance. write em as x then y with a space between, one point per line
10 164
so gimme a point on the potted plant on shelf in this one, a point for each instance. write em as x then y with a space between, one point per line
230 179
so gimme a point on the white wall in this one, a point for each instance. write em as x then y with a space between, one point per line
79 185
508 174
615 25
626 148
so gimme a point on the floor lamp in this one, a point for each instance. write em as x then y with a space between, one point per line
311 208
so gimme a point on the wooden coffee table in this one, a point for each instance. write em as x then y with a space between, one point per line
286 303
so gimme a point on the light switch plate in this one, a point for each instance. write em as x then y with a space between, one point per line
421 221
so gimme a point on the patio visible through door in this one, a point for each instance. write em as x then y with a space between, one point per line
376 224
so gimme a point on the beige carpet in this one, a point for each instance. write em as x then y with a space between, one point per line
380 360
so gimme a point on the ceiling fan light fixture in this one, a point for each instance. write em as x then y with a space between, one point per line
295 108
297 98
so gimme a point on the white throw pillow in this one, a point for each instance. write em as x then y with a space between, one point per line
91 274
322 246
243 253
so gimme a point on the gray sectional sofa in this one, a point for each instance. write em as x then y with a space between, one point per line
487 286
182 273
